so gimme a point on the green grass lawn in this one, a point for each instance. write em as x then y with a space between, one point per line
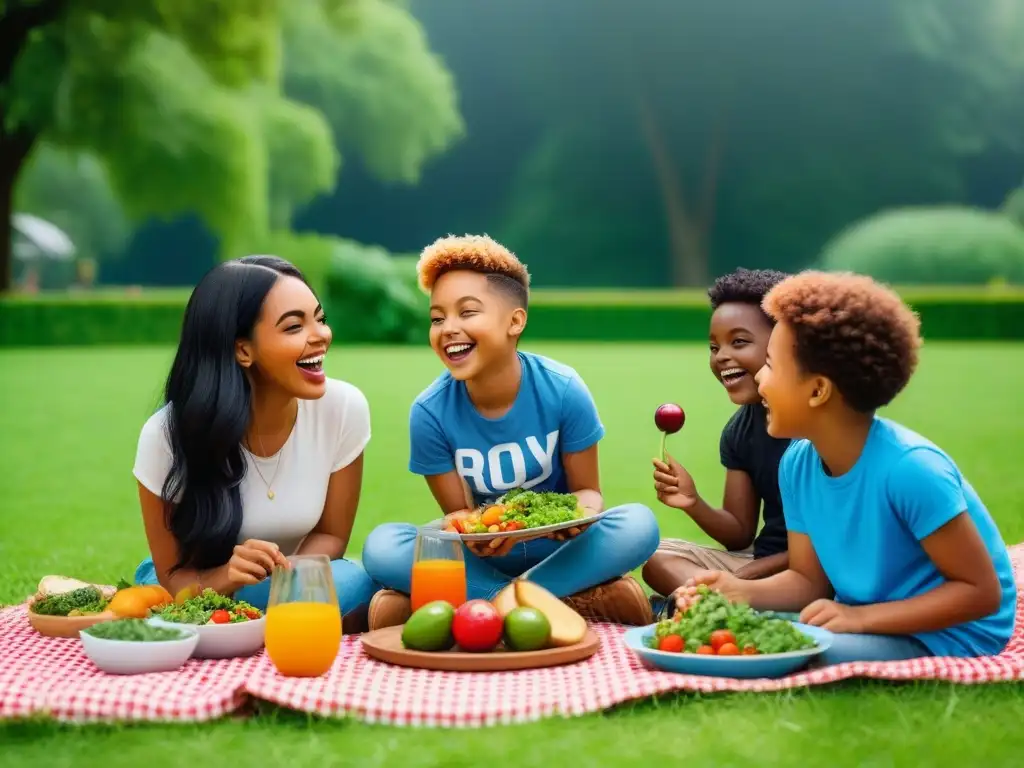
69 420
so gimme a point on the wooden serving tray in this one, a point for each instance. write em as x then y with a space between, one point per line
65 626
386 645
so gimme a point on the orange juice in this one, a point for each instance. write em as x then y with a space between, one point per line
438 580
303 638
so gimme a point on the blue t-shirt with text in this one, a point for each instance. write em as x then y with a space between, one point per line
553 414
866 527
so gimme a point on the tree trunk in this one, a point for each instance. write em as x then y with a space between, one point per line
686 235
14 148
17 22
689 227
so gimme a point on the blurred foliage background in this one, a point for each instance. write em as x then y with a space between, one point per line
641 144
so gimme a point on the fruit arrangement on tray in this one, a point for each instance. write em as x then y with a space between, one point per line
63 607
523 617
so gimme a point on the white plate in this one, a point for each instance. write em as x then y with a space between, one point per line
522 533
124 657
224 641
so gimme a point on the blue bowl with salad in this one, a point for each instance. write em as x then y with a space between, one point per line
227 628
716 638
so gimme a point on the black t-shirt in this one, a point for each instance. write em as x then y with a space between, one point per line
747 446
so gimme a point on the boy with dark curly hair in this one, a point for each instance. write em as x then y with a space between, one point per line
889 545
738 340
498 419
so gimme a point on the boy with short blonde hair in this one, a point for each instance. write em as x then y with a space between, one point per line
497 419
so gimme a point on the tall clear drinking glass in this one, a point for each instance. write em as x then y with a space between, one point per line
303 617
439 569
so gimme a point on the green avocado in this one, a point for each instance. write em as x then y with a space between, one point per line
430 628
526 629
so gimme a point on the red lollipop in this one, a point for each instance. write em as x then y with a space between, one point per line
669 418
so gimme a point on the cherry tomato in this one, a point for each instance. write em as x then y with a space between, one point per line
728 649
252 615
750 651
514 525
220 616
720 637
705 650
672 644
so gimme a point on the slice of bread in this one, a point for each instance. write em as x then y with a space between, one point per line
58 585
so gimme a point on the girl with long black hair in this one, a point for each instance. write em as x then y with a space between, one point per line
256 454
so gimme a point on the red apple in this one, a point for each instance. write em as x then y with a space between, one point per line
669 418
477 626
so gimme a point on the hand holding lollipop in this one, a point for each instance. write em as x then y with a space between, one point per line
669 418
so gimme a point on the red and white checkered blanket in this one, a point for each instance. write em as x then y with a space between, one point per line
47 676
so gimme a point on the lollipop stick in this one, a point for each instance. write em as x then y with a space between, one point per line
664 437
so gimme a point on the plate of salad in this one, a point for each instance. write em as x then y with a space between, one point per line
717 638
227 628
517 514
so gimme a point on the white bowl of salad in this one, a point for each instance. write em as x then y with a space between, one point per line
136 647
227 628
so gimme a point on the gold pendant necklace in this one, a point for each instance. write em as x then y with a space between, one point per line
270 489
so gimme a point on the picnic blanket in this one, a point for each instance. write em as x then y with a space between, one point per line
53 677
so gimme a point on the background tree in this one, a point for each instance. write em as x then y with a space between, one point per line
786 119
183 103
72 190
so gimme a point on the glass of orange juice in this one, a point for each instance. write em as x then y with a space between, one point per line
303 632
438 569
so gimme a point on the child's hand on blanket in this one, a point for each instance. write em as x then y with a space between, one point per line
833 616
731 587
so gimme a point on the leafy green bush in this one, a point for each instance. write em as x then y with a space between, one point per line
1013 206
931 246
310 252
367 302
369 294
372 296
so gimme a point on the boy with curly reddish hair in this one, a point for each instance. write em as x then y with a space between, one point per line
889 545
497 419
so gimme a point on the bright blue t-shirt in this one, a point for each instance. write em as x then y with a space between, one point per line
866 527
553 414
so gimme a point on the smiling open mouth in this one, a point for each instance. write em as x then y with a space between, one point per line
731 376
457 352
314 364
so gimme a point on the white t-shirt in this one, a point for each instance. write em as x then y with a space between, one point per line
329 434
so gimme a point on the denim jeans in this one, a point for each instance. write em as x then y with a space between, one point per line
872 648
351 583
620 541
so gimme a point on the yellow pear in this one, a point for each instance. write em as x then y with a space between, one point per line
505 601
567 626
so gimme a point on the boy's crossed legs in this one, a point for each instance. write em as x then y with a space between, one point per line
586 571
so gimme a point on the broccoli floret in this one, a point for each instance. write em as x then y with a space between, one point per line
62 605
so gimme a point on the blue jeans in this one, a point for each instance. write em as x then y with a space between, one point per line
872 648
620 541
351 583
